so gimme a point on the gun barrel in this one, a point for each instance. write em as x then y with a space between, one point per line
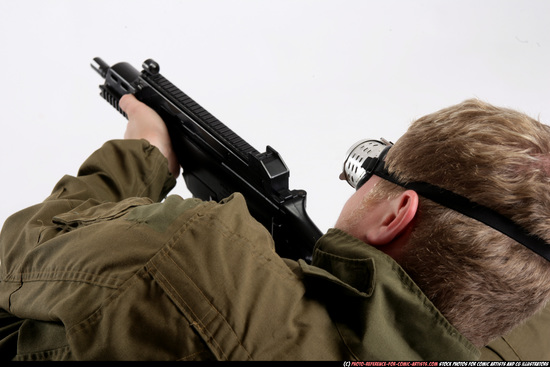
100 66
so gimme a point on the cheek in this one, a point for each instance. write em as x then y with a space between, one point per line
350 213
355 207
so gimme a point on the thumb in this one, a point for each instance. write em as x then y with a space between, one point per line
128 103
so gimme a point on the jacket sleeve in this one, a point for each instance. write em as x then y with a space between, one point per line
118 170
121 169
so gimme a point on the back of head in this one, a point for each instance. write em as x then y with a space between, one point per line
484 282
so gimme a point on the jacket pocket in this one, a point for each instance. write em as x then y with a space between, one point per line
89 212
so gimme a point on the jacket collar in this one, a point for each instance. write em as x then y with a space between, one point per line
376 306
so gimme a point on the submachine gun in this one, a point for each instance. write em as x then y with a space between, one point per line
216 162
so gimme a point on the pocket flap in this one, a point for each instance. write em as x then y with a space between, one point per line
89 212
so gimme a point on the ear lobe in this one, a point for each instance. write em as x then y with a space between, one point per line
394 219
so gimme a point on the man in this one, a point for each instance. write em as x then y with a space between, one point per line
495 157
103 270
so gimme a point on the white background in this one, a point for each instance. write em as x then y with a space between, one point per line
308 77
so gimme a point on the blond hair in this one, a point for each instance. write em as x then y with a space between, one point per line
484 282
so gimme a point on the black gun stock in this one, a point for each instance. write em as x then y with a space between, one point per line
216 162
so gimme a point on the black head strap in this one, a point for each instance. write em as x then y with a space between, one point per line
470 209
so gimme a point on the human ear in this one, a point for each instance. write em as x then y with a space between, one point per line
392 218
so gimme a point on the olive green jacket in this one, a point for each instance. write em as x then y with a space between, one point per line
103 270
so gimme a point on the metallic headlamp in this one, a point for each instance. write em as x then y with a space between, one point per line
361 160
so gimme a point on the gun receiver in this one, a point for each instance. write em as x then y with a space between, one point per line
216 162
